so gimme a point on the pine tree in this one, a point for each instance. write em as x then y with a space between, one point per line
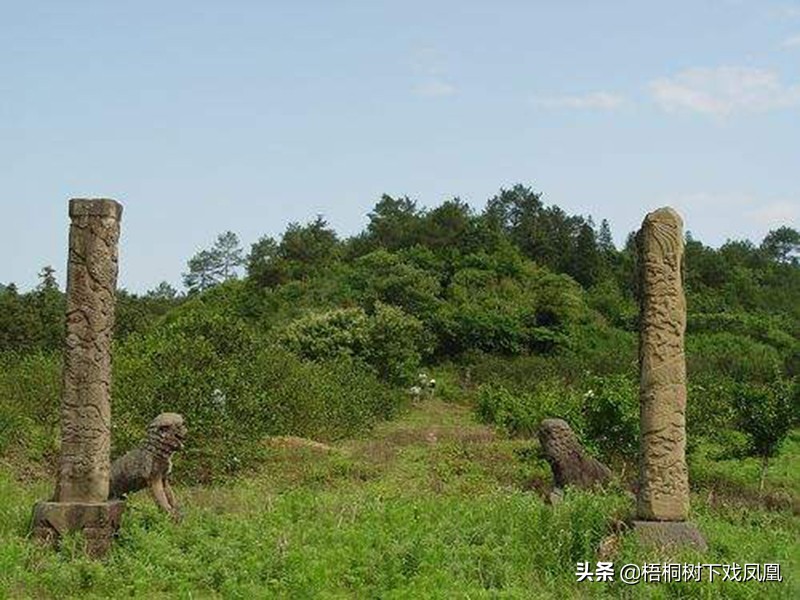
207 268
605 241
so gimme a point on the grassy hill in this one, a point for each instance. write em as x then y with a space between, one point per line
433 505
520 311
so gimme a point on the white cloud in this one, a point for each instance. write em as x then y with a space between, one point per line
712 216
430 74
776 214
434 88
428 61
723 91
590 101
791 42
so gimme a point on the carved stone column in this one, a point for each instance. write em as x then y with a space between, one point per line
80 501
663 496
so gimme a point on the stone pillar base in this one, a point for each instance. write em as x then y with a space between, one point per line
99 522
662 534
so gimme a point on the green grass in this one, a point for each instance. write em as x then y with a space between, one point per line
432 505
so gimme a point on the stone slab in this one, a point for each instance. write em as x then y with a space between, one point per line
663 534
99 522
95 207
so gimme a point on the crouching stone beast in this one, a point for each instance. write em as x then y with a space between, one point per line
150 464
570 463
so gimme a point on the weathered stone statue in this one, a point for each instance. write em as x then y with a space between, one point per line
570 463
150 464
663 495
80 501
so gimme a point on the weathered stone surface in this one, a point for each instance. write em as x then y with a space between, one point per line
85 405
570 463
150 464
82 482
665 534
663 477
99 522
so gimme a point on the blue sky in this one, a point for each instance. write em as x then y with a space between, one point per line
202 117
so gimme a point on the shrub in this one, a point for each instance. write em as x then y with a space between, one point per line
233 385
520 413
601 350
385 277
30 385
766 414
611 412
390 341
710 411
517 373
340 332
231 402
730 355
606 298
506 313
772 329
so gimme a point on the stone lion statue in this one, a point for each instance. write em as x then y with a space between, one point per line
150 464
570 463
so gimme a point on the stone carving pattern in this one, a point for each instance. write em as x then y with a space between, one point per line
570 463
663 487
83 474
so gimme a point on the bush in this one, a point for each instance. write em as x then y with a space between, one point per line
30 385
730 355
601 350
234 388
771 329
521 413
385 277
233 385
506 313
710 411
611 412
390 341
607 299
766 414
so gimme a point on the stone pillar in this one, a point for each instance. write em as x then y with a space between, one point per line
80 501
663 498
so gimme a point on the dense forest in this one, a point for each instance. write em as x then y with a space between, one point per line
529 308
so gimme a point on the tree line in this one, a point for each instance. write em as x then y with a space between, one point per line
740 277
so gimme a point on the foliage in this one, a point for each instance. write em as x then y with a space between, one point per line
605 415
29 403
414 520
233 387
382 276
32 321
530 307
522 308
611 413
389 340
766 414
782 245
303 251
607 299
210 267
515 278
491 310
711 412
731 356
521 413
